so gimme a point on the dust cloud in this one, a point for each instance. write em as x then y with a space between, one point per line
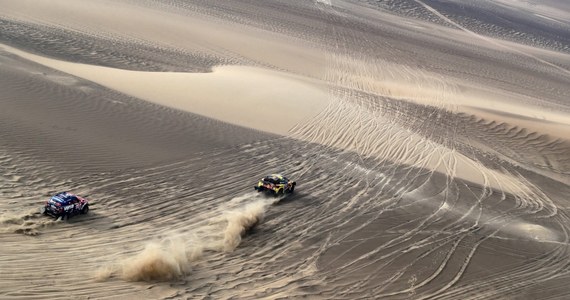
166 260
241 221
25 222
173 256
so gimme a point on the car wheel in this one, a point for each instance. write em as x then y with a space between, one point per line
85 209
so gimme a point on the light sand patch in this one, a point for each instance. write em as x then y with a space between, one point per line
422 87
537 124
247 96
517 110
531 231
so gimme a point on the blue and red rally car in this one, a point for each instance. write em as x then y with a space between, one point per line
65 205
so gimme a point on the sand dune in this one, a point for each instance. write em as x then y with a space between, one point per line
252 97
429 142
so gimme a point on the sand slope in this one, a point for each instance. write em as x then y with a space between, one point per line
429 141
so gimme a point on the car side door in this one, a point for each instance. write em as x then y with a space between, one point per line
76 206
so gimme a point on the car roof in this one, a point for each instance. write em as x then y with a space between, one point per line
64 197
275 177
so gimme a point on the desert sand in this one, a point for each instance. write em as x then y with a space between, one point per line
430 142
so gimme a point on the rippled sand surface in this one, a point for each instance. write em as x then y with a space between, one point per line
430 142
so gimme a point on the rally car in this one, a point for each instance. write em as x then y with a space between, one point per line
64 205
275 184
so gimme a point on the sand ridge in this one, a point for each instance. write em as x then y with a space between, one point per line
247 96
